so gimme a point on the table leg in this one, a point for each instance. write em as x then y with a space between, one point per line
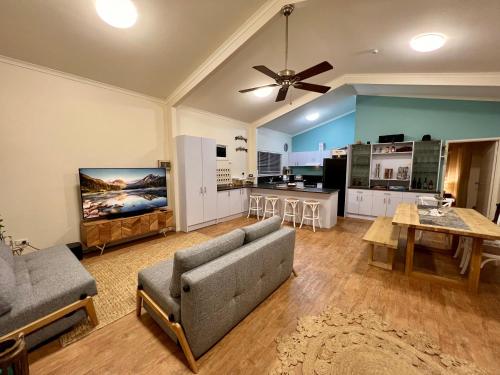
475 265
454 242
410 247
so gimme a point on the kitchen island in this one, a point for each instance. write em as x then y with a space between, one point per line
328 199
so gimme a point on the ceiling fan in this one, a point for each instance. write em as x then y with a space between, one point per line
287 77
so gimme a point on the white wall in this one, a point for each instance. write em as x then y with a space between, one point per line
273 141
50 125
198 123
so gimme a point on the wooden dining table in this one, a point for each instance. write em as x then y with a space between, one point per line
477 227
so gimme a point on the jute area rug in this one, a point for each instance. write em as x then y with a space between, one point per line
116 277
361 343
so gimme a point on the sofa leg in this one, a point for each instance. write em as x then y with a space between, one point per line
90 309
179 332
138 307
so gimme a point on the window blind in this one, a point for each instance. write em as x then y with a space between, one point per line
268 162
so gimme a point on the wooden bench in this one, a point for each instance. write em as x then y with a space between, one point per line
383 234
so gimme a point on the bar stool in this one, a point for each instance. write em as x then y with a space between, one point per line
292 204
273 201
314 207
254 205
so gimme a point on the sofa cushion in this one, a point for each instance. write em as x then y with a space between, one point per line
7 287
261 229
185 260
46 281
6 253
155 281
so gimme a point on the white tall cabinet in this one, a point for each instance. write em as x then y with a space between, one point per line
197 167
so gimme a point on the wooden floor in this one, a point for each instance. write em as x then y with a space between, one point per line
332 267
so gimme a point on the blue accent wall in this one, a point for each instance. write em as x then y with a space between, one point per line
442 119
337 133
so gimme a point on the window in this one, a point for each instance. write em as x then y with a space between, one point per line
268 162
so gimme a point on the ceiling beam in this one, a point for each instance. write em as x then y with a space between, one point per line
419 79
226 49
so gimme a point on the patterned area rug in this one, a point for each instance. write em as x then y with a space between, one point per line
361 343
116 276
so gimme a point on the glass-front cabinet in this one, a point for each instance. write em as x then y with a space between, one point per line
360 165
426 165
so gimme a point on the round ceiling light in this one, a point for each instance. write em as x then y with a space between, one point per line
428 42
312 116
118 13
263 92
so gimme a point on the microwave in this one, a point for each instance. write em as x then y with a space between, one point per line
221 151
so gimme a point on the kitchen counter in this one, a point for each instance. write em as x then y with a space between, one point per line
404 190
328 201
274 187
291 188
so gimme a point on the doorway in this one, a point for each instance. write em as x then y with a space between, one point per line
472 174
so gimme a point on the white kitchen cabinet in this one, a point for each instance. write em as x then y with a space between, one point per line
244 199
365 202
413 197
392 203
307 158
235 204
385 202
223 204
359 201
231 202
196 163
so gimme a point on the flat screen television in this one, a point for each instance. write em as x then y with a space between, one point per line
121 191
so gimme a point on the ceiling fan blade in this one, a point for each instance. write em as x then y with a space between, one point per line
282 94
314 70
268 72
259 87
311 87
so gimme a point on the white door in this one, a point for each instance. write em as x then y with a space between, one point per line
485 188
352 201
193 169
235 202
244 199
379 205
365 203
209 178
223 204
393 200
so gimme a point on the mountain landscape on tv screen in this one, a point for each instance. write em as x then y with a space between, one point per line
114 191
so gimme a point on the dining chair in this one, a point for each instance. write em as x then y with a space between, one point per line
465 245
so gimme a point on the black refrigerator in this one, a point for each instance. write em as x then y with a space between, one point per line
334 177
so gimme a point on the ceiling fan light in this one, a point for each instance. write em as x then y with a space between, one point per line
428 42
117 13
263 92
312 116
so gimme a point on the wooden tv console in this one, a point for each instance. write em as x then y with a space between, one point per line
100 233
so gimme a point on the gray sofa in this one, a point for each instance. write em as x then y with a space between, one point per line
43 293
206 290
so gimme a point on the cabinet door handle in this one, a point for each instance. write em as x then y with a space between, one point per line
201 190
384 200
361 197
389 200
205 190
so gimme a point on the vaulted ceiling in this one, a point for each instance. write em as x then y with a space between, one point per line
170 39
173 37
344 32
